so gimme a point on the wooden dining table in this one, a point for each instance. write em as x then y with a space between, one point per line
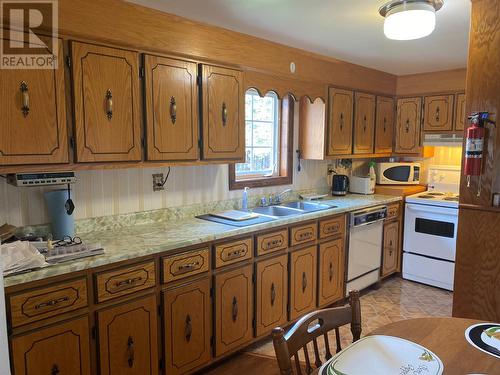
446 338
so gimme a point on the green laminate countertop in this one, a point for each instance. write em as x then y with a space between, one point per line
157 237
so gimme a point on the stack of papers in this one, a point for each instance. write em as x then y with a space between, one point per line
20 256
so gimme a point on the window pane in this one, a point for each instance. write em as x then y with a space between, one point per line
248 107
248 134
263 108
263 134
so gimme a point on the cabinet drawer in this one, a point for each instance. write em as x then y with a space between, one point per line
332 227
232 252
302 234
123 281
46 302
393 211
270 242
185 265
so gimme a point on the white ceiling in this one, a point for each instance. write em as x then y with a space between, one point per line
349 30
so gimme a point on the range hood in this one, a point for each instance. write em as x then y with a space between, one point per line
443 140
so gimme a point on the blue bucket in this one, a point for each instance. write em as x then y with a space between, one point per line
62 223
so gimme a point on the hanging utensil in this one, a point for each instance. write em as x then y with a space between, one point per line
69 205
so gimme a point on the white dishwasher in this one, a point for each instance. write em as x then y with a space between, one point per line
365 247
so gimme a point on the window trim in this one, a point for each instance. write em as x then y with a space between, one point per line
285 153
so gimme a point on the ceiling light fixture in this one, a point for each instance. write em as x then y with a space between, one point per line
409 19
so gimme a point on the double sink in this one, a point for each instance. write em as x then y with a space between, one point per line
291 209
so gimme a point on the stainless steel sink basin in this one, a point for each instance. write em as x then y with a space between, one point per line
306 206
277 211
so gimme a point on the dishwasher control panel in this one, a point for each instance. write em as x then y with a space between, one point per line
368 216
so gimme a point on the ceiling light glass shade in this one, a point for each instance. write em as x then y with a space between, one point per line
407 20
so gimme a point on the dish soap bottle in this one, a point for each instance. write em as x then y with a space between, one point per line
373 177
244 201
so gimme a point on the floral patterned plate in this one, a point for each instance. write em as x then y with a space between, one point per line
383 355
485 337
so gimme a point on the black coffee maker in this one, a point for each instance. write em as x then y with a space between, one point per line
340 184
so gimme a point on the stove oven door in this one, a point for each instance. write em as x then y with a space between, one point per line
430 231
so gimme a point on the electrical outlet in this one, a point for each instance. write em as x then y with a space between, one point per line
330 170
158 182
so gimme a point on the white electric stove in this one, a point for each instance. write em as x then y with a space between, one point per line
430 232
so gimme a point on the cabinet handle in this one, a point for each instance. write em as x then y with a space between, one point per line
25 106
390 253
364 123
52 302
183 268
109 104
437 114
55 370
304 282
407 129
128 281
131 353
341 121
235 309
331 272
173 109
385 124
332 228
273 294
189 328
235 254
224 114
390 243
273 244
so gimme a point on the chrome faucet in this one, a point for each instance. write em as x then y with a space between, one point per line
278 196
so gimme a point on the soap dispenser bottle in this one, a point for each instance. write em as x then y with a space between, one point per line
244 201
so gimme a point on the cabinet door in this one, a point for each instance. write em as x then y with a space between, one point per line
271 297
33 112
364 123
233 309
408 126
340 104
331 272
391 248
302 281
171 109
460 116
106 103
438 113
60 349
384 127
223 114
128 338
187 324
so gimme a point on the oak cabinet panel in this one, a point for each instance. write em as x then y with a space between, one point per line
171 109
408 126
460 115
185 265
33 111
106 103
271 242
60 349
438 113
223 114
271 294
340 121
332 227
364 123
390 256
302 234
393 211
233 252
128 338
233 309
384 126
331 272
302 281
187 323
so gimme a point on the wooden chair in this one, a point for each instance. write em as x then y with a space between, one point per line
309 328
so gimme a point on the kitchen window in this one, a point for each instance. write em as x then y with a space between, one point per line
268 142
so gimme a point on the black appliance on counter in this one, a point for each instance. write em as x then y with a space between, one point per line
340 184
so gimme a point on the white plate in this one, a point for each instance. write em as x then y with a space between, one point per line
384 355
485 337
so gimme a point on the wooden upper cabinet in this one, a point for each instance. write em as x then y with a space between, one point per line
438 113
171 109
364 123
340 112
302 281
408 126
187 323
233 309
223 114
60 349
460 115
106 103
384 125
33 111
128 338
331 272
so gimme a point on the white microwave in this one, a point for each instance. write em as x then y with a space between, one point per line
398 173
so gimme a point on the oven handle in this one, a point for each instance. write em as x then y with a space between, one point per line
436 210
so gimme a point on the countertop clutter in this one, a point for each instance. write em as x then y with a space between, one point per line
141 240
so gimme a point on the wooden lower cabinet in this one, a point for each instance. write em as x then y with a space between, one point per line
60 349
390 257
302 281
331 272
187 322
233 309
271 277
128 338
